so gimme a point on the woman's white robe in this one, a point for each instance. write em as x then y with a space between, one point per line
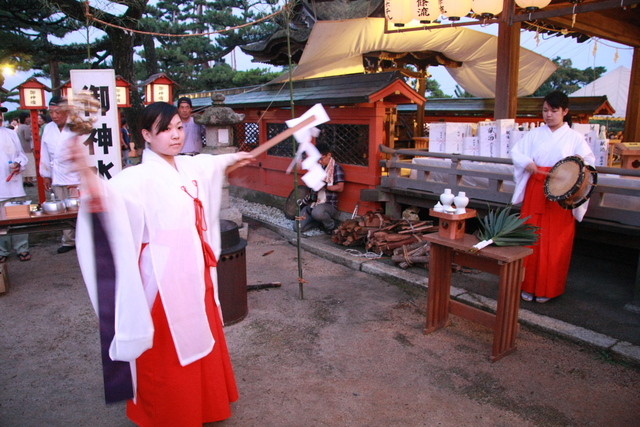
545 148
146 204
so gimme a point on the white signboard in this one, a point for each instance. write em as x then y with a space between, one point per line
103 144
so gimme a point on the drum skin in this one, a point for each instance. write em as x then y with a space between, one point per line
570 182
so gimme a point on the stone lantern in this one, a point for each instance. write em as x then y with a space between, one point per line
219 122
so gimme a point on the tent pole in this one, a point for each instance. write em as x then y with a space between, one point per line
507 67
632 116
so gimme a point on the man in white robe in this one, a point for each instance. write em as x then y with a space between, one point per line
57 171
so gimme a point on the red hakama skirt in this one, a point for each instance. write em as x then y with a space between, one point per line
172 395
547 268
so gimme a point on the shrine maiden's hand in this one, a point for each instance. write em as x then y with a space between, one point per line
243 158
531 168
76 154
91 188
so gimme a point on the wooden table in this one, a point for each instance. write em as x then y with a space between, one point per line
36 224
505 262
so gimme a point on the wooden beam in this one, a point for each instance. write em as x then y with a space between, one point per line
430 27
597 25
577 8
507 66
632 117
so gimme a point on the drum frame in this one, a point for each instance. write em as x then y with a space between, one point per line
566 200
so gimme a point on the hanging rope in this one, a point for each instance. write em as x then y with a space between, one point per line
90 17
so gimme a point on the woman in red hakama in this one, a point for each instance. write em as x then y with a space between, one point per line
172 395
533 157
547 268
183 373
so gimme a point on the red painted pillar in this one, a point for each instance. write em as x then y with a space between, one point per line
35 131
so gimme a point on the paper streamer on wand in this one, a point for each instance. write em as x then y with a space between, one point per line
315 176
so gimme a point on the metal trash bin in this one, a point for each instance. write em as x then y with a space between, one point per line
232 274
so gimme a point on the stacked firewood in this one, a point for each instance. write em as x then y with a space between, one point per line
397 234
415 254
354 232
380 233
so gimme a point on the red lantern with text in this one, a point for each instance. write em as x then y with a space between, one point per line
123 96
32 98
66 91
158 88
32 95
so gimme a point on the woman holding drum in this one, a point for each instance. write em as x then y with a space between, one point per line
533 157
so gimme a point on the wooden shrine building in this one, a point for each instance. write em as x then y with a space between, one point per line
358 106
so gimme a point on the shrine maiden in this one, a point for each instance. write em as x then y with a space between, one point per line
162 222
534 155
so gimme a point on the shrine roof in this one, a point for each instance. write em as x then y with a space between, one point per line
337 90
527 106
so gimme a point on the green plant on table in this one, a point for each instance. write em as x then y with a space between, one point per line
503 228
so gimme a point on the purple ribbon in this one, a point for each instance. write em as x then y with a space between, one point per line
118 385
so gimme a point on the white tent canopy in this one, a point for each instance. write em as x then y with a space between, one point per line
615 85
337 47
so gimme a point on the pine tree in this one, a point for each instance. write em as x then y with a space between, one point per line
568 79
195 62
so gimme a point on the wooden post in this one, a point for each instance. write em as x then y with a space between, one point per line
631 125
507 65
422 90
35 131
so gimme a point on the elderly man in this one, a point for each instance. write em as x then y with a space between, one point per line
193 132
56 170
12 162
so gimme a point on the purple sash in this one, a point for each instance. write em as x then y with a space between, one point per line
118 385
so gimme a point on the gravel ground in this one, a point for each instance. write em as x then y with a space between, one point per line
269 214
351 353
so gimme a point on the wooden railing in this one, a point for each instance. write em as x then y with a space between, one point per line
428 181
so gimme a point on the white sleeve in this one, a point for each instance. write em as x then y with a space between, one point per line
589 158
133 323
45 161
19 156
521 158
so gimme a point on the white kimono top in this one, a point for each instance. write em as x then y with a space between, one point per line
147 205
10 150
545 149
54 161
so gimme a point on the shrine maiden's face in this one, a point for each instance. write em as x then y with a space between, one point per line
166 143
553 117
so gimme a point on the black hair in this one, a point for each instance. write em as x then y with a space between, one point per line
57 101
185 100
557 99
160 111
23 117
323 148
